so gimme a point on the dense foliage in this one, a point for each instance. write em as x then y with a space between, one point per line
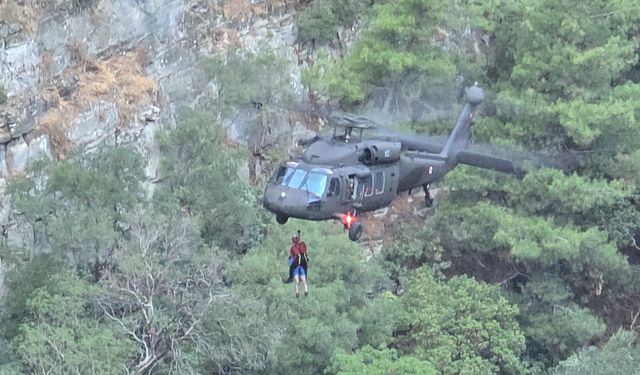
506 276
3 95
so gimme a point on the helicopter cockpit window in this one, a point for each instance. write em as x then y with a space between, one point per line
295 181
315 183
282 175
334 187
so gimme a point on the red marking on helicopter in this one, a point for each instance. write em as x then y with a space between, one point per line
348 219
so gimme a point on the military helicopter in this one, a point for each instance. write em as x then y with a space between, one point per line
343 175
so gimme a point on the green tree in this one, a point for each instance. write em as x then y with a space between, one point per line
165 284
378 362
201 173
75 206
554 324
620 355
64 334
3 95
321 21
414 245
461 326
402 48
241 334
248 81
343 309
256 91
21 282
564 77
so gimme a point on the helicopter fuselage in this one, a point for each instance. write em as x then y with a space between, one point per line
341 176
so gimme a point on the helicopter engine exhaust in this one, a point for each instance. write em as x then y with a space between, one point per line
381 152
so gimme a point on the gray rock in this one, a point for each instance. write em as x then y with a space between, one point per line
19 233
19 69
21 127
5 205
150 114
4 172
39 148
152 153
96 126
5 136
17 156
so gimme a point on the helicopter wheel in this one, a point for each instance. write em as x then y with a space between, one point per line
281 219
355 232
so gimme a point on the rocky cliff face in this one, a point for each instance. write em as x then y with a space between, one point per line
81 73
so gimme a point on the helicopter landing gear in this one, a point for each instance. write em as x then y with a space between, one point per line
428 201
281 219
354 227
355 232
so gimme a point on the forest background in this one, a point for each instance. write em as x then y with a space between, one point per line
506 276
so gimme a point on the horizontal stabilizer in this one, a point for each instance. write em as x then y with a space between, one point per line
488 162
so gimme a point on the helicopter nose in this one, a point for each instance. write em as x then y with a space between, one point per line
285 201
275 198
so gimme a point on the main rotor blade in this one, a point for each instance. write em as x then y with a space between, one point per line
426 143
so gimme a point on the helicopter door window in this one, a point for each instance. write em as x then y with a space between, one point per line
359 189
334 187
379 183
368 186
351 194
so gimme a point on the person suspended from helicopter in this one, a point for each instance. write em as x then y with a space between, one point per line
298 264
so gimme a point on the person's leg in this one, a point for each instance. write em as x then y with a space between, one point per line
303 279
291 268
296 280
304 265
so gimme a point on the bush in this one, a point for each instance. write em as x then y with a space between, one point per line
3 95
79 5
320 22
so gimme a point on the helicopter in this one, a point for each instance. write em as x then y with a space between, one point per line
343 175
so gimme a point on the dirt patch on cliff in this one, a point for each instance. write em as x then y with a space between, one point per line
25 15
120 79
246 10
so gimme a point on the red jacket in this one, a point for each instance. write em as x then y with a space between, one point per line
298 249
